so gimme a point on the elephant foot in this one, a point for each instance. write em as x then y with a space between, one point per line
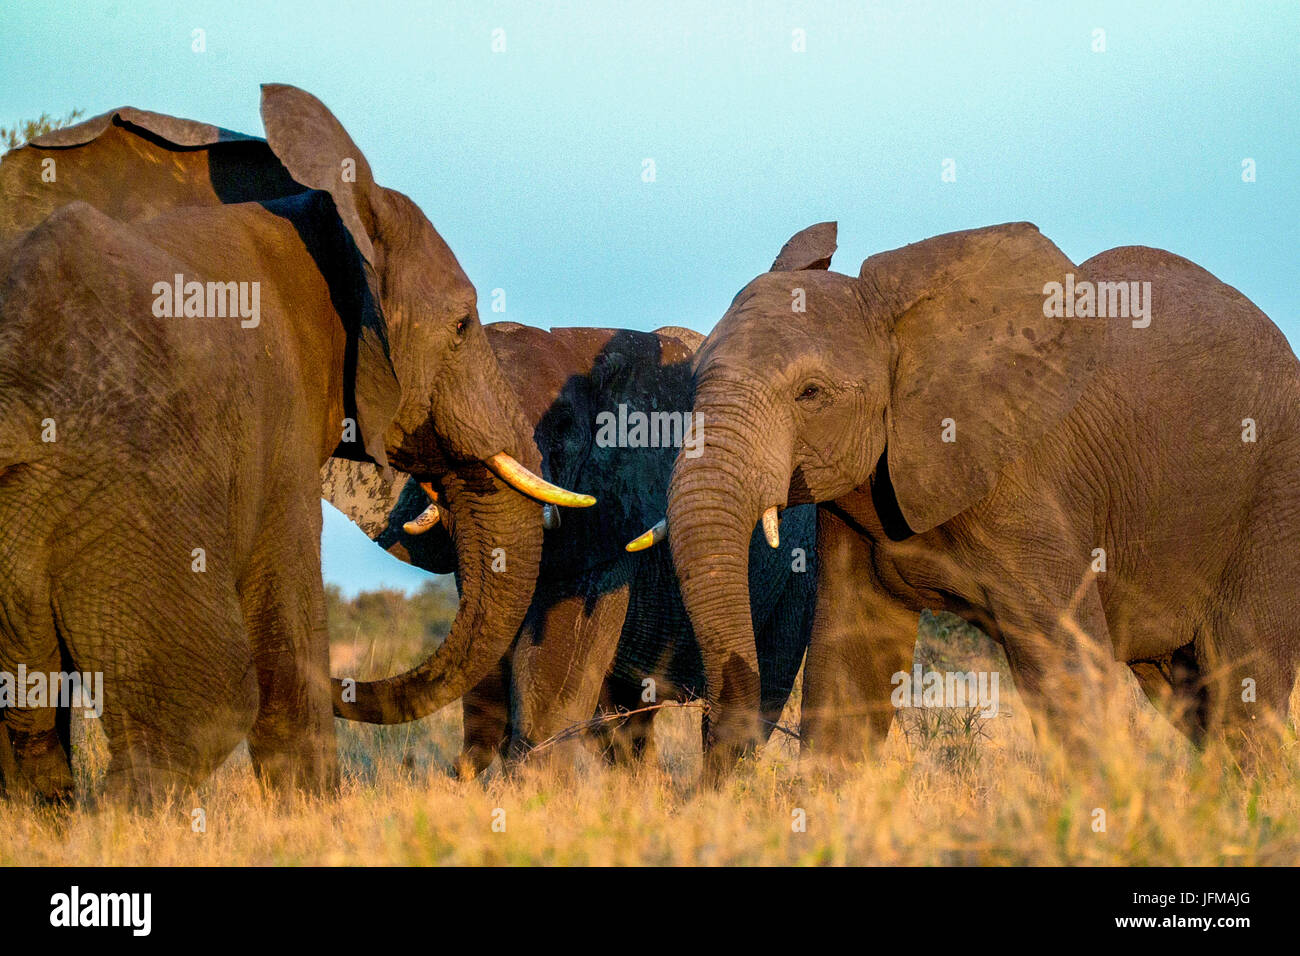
730 734
43 768
561 759
472 762
320 778
131 782
314 770
721 758
630 746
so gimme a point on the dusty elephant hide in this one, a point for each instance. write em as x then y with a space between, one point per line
1094 463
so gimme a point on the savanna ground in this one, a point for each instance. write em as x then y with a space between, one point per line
948 788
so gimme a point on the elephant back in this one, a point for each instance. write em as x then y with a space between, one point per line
688 338
133 165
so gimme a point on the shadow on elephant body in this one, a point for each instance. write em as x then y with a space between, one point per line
580 644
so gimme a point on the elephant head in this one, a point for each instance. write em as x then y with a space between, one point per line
422 389
569 381
917 381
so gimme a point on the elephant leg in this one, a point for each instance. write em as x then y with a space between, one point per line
8 765
1174 686
782 643
1250 668
292 740
630 741
1251 652
1062 660
560 663
179 687
636 739
861 638
485 711
37 753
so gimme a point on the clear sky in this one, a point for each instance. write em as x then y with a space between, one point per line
530 161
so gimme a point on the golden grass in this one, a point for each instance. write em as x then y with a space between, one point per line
935 795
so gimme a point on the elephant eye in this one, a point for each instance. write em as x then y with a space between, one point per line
462 326
810 392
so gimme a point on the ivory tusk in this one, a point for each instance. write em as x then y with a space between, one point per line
522 480
550 517
650 538
427 518
772 527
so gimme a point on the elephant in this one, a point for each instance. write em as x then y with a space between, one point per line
1096 464
192 321
606 630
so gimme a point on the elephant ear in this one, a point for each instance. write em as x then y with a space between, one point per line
809 248
366 496
133 165
318 152
980 372
379 505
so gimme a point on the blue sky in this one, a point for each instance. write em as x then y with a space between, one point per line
530 161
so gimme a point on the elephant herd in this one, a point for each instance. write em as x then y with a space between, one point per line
202 333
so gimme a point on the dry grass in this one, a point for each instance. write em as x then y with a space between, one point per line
943 791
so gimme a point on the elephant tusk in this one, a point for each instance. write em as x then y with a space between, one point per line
427 518
650 538
522 480
772 527
550 517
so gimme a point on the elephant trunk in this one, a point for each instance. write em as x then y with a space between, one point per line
498 540
714 502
